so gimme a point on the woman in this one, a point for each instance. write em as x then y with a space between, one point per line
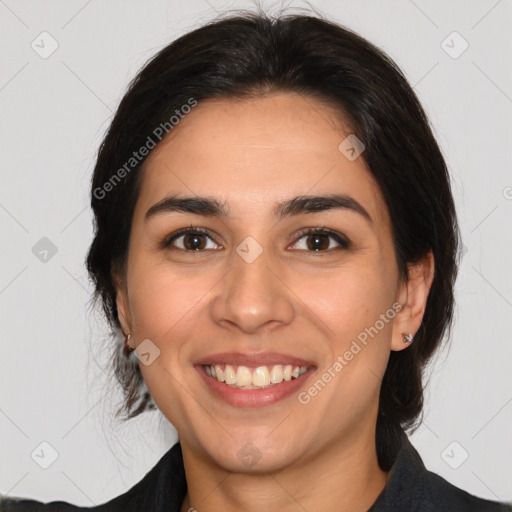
276 239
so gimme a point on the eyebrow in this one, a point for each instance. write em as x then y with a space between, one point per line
299 205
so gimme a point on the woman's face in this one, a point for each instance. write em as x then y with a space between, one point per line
252 290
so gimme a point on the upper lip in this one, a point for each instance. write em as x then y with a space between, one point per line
253 359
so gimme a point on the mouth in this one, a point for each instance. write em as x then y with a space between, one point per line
260 377
253 381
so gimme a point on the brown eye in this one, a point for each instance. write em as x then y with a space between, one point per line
190 240
194 242
320 240
317 242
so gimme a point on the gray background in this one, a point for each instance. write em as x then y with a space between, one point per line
54 113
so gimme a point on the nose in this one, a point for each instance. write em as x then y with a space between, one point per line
253 297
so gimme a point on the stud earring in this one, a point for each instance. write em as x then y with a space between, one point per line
127 350
408 338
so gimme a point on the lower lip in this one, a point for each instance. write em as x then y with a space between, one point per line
253 397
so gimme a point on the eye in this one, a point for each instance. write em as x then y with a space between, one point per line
190 239
193 239
319 240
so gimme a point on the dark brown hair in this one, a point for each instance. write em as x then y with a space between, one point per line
253 54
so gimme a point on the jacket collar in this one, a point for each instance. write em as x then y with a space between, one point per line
406 481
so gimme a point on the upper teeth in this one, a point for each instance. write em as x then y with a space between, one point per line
242 376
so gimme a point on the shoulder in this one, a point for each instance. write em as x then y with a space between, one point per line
432 493
162 488
411 487
25 505
446 496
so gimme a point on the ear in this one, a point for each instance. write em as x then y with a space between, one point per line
122 303
412 295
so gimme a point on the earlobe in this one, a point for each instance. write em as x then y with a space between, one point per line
413 295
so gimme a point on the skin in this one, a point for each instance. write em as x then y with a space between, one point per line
252 154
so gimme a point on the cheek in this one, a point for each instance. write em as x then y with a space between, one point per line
350 303
347 300
165 306
164 301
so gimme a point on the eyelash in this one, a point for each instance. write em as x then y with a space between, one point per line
343 242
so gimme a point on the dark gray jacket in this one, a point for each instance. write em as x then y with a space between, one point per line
409 488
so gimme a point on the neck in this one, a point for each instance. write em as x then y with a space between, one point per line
343 475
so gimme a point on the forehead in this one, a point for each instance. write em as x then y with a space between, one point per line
252 153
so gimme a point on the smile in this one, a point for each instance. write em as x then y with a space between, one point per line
243 377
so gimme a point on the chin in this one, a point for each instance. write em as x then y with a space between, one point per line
254 455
